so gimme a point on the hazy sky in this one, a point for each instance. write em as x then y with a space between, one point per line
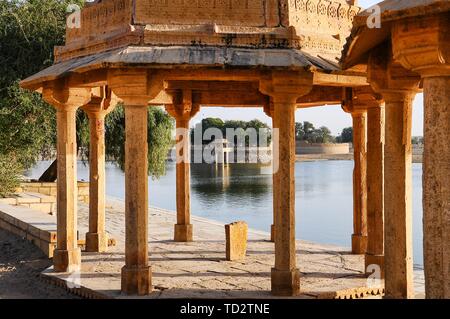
331 116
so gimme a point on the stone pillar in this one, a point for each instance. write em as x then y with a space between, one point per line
398 193
359 237
136 274
268 109
375 188
284 89
183 228
183 110
431 60
132 87
285 275
67 255
96 238
398 87
436 186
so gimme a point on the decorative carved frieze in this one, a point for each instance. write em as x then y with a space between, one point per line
227 12
318 27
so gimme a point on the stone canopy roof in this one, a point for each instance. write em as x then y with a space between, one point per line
215 33
363 39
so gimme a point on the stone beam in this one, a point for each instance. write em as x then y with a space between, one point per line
339 80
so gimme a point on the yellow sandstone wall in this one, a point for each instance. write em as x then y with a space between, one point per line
51 190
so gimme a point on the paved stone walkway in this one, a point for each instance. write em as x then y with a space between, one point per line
199 269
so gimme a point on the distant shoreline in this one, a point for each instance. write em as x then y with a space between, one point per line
417 158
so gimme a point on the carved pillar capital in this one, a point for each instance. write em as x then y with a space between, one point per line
182 108
389 78
286 87
65 98
132 86
422 44
361 99
102 102
269 108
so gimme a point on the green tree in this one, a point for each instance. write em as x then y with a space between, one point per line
9 175
29 31
208 123
299 132
160 126
324 135
346 135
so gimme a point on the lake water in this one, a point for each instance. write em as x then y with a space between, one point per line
244 192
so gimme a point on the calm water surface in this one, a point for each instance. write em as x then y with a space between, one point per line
244 192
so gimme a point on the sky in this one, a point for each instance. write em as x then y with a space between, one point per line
331 116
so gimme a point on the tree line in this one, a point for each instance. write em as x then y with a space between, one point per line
237 127
306 132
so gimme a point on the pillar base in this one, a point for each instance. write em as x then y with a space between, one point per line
359 244
184 233
272 233
285 283
66 260
376 260
137 281
96 242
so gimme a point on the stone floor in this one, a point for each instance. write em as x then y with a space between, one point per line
199 269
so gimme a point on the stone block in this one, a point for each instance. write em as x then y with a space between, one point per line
34 231
42 207
45 190
8 201
236 240
48 236
83 190
27 200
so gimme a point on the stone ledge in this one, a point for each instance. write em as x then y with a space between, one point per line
34 226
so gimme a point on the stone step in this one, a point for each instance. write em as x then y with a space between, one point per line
36 201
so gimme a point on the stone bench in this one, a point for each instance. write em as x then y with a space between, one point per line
34 226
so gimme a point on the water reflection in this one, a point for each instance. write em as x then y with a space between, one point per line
324 205
230 181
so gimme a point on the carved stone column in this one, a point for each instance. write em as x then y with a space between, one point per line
131 87
97 109
359 237
67 256
269 110
375 187
423 46
364 99
183 110
284 89
398 88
